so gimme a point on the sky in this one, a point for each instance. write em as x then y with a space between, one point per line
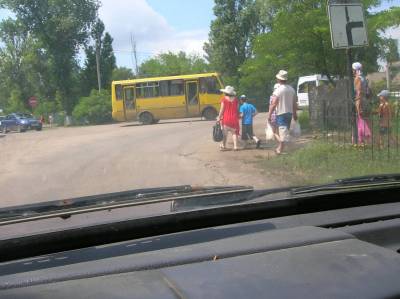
164 25
157 26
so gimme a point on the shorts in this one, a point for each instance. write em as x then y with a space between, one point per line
247 132
384 130
284 120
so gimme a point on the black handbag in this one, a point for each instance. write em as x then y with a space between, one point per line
218 135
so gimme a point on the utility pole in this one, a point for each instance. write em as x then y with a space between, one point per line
98 47
388 75
134 55
98 32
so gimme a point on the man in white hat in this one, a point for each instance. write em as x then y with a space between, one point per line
284 103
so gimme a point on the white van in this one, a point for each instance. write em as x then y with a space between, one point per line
304 86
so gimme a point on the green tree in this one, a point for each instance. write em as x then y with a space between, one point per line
107 61
24 65
15 102
61 27
231 36
94 109
168 64
122 73
298 40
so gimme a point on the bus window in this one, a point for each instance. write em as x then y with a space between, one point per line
164 88
209 85
119 92
147 90
176 88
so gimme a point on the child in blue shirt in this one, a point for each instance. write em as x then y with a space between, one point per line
247 113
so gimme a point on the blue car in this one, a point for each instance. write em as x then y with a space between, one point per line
19 122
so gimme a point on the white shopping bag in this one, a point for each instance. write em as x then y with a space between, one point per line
295 129
269 132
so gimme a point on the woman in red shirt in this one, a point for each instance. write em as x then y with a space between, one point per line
229 116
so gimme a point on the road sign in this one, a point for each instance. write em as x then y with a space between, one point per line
33 102
348 26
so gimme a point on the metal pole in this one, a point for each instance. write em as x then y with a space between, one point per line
353 118
98 62
388 76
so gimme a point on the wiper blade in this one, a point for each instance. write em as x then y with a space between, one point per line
352 183
69 207
371 179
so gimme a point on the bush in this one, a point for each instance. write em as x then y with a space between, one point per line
94 109
304 120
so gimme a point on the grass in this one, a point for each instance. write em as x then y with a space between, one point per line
304 120
321 162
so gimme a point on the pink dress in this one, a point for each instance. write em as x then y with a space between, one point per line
230 118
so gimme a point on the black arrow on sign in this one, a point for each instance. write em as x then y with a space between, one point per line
350 26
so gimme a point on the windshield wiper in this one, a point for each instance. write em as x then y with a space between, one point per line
369 181
67 208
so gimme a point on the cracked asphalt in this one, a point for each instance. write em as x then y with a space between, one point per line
62 163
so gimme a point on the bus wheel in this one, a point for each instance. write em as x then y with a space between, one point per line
146 118
210 114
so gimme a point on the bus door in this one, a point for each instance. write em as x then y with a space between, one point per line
129 103
192 98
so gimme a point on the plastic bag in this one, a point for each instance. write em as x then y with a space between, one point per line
295 129
269 132
218 135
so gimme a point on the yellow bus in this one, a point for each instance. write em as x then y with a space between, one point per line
151 99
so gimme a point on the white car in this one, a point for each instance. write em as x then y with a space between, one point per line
304 86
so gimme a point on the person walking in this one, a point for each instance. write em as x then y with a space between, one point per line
362 104
229 117
247 113
284 103
272 121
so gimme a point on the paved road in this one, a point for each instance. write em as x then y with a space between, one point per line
69 162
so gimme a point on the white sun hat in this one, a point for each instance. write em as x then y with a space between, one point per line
356 66
282 75
229 90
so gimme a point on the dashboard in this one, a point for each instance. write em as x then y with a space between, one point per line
343 253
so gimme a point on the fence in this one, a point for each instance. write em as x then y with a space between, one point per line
332 115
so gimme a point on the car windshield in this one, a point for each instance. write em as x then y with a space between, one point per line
26 115
129 95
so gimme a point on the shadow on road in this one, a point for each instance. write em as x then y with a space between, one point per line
166 123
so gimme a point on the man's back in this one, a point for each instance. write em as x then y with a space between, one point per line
286 96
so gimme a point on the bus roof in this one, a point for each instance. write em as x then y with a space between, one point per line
142 80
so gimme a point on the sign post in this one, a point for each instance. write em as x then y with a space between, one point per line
33 102
348 30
